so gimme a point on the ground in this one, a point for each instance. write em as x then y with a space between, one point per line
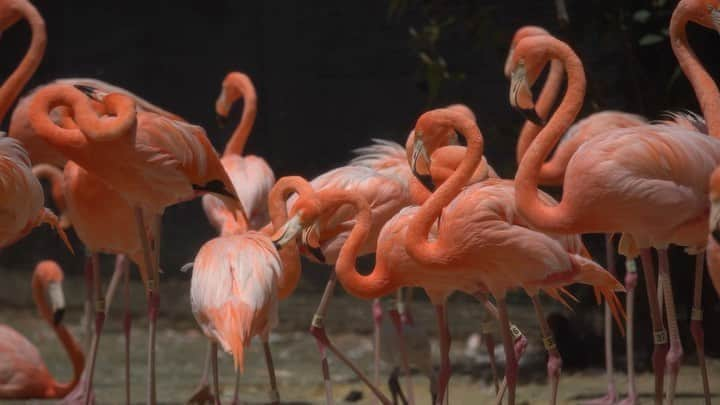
181 352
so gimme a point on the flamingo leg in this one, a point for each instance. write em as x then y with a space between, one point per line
395 317
202 393
395 388
153 295
274 393
444 333
630 285
377 314
236 390
127 325
675 354
99 322
554 363
89 309
511 362
659 333
216 379
696 319
317 329
486 332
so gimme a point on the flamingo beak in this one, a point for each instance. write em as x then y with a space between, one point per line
714 219
57 301
311 239
187 267
222 121
508 69
91 92
287 232
521 96
420 153
715 17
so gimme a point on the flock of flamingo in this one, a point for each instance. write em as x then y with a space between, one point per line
434 213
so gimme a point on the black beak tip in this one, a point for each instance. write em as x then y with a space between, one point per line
222 121
58 316
426 180
716 235
317 253
87 90
531 115
276 245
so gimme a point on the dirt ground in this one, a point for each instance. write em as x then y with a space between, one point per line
181 349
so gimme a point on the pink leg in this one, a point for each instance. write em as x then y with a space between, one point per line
397 323
99 322
511 362
659 332
202 393
611 395
377 314
317 329
554 363
444 333
89 310
274 393
696 327
630 285
127 325
236 391
216 378
675 354
486 329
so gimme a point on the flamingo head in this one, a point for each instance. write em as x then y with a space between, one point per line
304 213
50 276
703 12
526 63
522 32
10 14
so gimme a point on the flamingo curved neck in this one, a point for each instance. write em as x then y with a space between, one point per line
528 203
289 254
417 244
545 102
57 389
374 285
236 144
703 84
14 84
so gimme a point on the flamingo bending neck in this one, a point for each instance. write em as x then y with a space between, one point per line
238 85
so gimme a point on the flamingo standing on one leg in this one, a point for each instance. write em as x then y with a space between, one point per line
457 267
552 172
23 374
596 196
150 160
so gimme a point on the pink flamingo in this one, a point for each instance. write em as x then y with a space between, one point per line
251 175
596 196
23 373
713 246
552 173
550 263
150 160
238 279
38 149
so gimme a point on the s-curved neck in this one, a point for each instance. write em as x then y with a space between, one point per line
528 202
56 178
705 88
378 282
243 88
417 244
545 102
59 389
122 119
14 84
277 206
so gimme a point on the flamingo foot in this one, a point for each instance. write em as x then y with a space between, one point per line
201 396
696 329
630 400
554 367
608 399
658 362
673 359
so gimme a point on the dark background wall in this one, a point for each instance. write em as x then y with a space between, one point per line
332 75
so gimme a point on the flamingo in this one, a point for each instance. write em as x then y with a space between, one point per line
552 171
251 175
11 11
548 263
150 160
614 184
23 373
39 150
238 279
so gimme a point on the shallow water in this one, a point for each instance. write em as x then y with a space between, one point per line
181 352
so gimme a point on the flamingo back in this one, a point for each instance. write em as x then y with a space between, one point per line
385 157
23 373
233 291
